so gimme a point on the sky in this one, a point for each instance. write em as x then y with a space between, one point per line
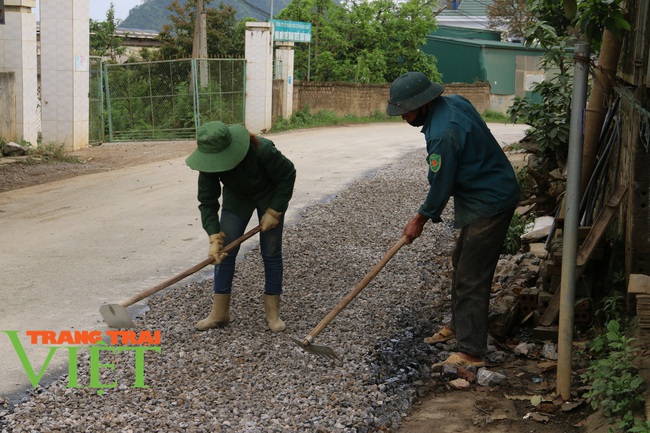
98 8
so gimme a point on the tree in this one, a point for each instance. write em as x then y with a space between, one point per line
225 36
559 26
511 15
363 41
103 41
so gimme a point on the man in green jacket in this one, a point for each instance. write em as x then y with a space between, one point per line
464 161
255 177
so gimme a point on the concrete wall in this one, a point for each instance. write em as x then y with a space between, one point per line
364 99
8 106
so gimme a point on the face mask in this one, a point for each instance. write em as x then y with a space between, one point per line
419 118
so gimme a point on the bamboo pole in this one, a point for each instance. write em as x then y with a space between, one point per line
603 83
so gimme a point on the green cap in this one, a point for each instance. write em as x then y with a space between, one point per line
219 147
410 91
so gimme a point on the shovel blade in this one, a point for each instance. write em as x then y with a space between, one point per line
116 316
324 351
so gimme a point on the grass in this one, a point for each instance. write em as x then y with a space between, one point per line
495 117
46 153
307 119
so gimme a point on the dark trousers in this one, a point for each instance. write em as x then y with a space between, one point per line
474 261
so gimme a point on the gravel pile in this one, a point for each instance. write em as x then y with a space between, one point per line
244 378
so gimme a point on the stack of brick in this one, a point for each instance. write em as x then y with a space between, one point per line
639 286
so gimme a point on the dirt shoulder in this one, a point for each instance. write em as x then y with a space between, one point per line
21 173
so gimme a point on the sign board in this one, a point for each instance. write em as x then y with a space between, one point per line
2 12
291 31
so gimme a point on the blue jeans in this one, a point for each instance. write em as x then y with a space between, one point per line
270 246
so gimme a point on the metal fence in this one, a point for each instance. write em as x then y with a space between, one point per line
96 102
168 100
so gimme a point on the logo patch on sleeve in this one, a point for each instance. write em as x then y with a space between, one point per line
435 161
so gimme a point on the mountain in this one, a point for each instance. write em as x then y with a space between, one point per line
153 14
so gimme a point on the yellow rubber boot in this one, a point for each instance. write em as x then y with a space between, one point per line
272 310
219 315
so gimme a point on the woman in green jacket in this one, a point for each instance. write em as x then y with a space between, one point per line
255 177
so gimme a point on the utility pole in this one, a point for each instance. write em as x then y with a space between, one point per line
200 43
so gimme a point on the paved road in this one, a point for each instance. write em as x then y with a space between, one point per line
70 246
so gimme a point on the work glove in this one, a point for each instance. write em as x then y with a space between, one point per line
270 219
216 245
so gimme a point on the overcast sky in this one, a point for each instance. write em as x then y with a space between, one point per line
98 8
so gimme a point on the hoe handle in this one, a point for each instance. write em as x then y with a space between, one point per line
357 289
140 296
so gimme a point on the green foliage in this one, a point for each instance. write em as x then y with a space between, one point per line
552 12
103 42
225 37
363 42
524 181
495 116
640 426
549 116
584 18
612 308
306 119
50 153
512 242
594 16
616 386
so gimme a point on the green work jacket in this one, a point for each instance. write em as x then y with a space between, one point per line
263 179
466 162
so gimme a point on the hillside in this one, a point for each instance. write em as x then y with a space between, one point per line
153 14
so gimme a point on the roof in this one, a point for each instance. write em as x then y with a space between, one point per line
483 43
467 8
136 33
468 14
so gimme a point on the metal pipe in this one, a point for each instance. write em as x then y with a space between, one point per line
571 221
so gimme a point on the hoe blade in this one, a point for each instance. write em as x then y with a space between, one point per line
116 316
324 351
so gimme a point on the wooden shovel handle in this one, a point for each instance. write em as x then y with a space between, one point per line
357 289
140 296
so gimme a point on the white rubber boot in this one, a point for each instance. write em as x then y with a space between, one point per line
272 310
219 315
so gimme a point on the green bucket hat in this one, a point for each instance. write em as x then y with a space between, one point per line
410 91
219 147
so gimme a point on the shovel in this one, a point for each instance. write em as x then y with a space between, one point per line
116 316
327 352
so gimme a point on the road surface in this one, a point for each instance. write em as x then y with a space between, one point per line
70 246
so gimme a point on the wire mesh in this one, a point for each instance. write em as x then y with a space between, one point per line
96 103
166 100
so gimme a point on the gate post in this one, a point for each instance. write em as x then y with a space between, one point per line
259 77
18 55
284 56
65 72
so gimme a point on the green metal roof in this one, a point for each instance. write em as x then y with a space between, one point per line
483 43
467 33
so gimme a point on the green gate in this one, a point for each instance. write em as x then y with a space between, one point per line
167 100
96 103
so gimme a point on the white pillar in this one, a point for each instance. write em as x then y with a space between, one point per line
18 55
259 77
284 56
64 72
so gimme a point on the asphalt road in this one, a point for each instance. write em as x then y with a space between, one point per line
70 246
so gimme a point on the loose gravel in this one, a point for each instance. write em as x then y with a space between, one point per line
244 378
